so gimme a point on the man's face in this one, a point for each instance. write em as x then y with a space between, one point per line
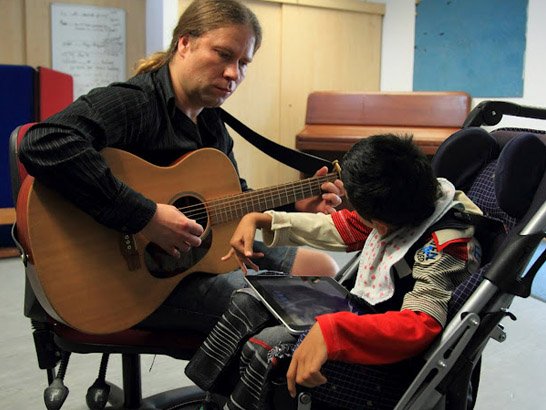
213 65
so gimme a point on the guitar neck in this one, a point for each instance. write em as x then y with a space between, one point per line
236 206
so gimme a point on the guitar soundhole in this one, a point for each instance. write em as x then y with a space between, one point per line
162 265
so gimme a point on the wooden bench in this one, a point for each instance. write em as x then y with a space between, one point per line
335 120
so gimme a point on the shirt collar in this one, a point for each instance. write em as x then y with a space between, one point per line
207 118
164 78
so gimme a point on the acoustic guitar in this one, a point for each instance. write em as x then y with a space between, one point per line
98 280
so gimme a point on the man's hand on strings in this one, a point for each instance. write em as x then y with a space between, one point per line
327 201
242 240
172 231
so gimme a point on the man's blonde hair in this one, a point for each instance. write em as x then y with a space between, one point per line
200 17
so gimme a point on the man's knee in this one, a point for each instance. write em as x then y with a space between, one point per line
310 262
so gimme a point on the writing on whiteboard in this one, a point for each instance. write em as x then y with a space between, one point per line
88 42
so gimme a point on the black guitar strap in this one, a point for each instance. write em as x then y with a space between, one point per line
301 161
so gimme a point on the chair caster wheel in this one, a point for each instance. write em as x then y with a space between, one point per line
97 395
55 394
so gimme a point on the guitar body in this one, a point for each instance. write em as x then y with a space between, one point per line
96 280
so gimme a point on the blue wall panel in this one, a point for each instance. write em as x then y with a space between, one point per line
475 46
16 108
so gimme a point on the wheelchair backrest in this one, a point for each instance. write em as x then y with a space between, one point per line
504 174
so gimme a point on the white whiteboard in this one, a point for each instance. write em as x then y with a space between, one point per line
88 42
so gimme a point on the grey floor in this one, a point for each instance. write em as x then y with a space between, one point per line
513 376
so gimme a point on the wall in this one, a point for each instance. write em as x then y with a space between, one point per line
457 41
398 39
25 30
161 18
397 59
12 31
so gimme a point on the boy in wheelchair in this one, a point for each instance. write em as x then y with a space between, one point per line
415 251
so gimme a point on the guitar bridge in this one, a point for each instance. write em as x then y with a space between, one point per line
127 245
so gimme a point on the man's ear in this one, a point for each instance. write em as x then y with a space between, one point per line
382 227
183 44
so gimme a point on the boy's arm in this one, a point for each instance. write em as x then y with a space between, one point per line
341 231
283 228
377 338
370 339
351 229
397 335
300 228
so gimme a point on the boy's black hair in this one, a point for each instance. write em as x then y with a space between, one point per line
389 179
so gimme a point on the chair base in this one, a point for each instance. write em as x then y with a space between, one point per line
183 398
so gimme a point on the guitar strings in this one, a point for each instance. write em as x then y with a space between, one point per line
197 211
281 190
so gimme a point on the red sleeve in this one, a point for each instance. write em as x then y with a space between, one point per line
377 338
353 232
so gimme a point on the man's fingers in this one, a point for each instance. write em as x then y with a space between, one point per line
329 187
332 199
194 228
194 241
322 171
174 252
191 236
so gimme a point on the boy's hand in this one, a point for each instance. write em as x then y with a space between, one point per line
308 358
325 203
242 240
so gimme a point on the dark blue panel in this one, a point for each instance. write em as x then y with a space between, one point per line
472 46
16 108
5 237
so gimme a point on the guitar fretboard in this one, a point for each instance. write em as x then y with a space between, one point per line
236 206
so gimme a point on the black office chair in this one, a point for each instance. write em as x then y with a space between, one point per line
505 174
55 341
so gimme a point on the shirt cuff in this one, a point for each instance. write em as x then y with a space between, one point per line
280 229
130 213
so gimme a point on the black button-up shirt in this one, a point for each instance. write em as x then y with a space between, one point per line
138 116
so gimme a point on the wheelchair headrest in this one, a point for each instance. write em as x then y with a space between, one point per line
517 167
520 168
462 156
